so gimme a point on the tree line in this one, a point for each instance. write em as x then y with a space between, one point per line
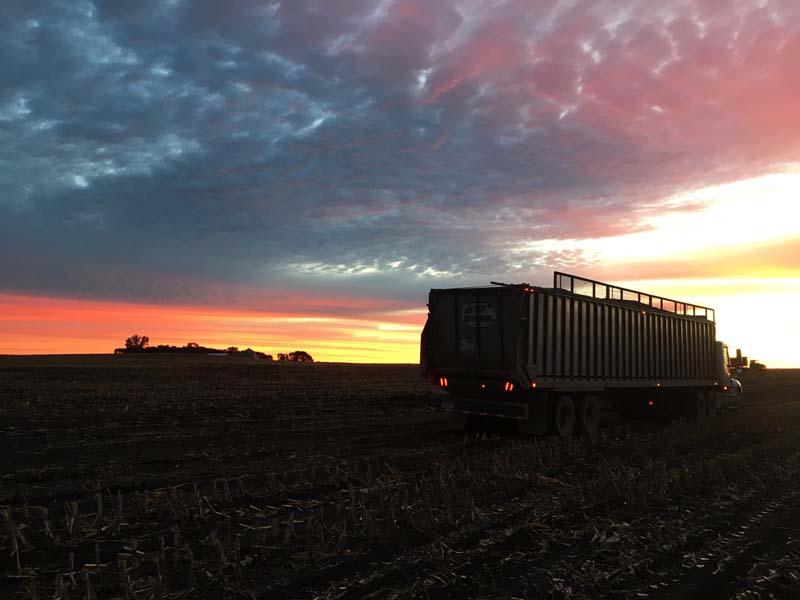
141 344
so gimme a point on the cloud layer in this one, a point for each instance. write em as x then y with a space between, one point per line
204 152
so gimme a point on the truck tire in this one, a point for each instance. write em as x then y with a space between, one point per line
562 416
696 406
712 401
702 399
588 415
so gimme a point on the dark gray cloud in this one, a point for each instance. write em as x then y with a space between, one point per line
164 150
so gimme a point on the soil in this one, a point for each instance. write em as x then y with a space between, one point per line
221 477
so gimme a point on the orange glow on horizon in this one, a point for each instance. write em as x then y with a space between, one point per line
733 247
757 315
41 325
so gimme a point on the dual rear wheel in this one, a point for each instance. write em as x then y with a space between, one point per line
699 406
567 416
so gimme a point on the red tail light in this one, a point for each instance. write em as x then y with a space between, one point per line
443 381
508 387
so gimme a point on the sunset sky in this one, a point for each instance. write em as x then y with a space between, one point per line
297 174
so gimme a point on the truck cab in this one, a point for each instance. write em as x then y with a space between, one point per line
729 388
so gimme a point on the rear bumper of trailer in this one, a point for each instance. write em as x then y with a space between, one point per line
485 408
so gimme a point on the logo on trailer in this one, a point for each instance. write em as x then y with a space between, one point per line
479 314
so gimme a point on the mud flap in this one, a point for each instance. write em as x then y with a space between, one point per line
536 423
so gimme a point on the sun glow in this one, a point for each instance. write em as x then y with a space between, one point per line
732 247
717 218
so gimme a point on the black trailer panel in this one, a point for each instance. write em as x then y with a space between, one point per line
475 330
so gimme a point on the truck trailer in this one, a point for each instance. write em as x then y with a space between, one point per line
542 360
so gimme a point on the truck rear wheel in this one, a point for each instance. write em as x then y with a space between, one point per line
588 415
696 406
562 416
702 410
711 404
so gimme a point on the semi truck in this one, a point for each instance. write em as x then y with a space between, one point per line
542 360
729 388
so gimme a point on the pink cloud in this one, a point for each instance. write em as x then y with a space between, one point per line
491 52
689 95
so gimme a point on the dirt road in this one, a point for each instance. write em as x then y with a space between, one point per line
215 477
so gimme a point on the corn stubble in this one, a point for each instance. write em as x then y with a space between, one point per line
312 528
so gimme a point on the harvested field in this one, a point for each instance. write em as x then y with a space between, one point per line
179 477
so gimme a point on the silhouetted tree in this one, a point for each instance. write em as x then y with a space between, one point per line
300 356
136 342
192 345
283 357
233 349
